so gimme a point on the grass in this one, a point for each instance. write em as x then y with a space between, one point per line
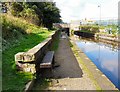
16 80
55 44
113 27
43 83
14 29
28 35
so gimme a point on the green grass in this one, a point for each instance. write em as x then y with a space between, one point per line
11 78
55 44
41 84
114 28
22 37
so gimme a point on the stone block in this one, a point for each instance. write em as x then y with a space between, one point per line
19 56
26 67
28 57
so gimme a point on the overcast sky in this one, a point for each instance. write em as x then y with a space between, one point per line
81 9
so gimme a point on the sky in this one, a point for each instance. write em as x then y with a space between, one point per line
81 9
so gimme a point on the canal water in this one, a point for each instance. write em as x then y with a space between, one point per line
104 56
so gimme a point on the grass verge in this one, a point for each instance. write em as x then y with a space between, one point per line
55 44
43 83
18 36
13 80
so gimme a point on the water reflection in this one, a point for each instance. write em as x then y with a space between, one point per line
104 55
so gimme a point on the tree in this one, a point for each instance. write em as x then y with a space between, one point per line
16 8
51 14
39 13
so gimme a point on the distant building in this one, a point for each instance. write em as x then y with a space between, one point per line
119 15
61 25
74 24
87 21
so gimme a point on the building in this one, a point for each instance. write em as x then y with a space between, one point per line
74 24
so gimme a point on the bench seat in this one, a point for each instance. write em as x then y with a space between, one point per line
48 60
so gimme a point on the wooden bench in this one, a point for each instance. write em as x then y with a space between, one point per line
48 60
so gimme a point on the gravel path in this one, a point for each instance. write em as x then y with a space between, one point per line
69 75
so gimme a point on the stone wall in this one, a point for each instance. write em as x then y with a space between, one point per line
30 61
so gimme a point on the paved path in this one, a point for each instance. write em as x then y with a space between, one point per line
69 75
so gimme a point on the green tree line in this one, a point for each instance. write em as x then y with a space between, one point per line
38 13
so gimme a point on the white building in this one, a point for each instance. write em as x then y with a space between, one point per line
74 25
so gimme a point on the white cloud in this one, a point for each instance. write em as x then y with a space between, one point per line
80 9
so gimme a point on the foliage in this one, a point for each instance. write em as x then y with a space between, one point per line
30 15
114 29
55 43
16 8
85 27
39 13
41 84
9 30
15 28
94 29
17 80
89 28
72 32
51 14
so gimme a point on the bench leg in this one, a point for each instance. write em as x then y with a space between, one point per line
53 62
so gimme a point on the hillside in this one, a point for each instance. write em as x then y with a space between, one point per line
18 36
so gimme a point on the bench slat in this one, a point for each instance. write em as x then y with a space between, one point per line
47 60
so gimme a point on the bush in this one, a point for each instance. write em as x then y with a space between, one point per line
89 28
16 8
85 27
94 29
30 15
9 30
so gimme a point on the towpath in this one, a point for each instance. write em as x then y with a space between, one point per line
69 75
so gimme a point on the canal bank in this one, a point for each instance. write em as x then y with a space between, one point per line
98 78
73 71
100 36
68 75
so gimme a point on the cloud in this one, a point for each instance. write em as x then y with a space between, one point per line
80 9
111 66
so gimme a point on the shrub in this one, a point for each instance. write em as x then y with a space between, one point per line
30 15
16 8
94 29
72 32
9 30
89 28
85 27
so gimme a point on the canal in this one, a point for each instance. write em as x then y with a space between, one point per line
104 56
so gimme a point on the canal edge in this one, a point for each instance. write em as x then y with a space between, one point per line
100 80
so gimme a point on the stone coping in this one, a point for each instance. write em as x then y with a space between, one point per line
101 79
